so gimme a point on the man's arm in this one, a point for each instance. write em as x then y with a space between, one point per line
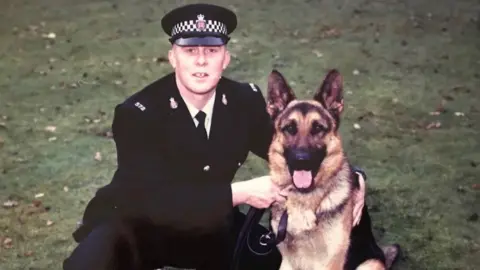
261 127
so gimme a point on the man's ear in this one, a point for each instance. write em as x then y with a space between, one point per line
330 93
227 59
171 58
279 94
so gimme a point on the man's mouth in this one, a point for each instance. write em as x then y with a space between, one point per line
200 75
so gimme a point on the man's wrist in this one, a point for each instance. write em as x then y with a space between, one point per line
239 193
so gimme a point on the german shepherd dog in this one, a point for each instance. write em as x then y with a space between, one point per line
307 154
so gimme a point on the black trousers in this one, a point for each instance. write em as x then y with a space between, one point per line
137 246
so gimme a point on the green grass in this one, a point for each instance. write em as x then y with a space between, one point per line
422 183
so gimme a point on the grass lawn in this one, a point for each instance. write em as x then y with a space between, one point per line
412 77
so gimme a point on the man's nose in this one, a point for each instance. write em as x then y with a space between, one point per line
201 59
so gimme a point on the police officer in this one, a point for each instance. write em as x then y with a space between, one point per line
180 141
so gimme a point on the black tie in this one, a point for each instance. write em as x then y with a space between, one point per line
201 125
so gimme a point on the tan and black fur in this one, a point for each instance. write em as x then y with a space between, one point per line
320 211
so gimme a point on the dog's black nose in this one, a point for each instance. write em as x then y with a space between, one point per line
299 159
301 155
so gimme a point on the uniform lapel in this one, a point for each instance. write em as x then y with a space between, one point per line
181 129
221 130
181 126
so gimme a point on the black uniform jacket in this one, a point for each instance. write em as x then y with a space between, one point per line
165 174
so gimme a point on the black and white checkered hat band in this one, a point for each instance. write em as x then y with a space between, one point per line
191 26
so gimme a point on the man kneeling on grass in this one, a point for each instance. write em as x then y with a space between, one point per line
180 141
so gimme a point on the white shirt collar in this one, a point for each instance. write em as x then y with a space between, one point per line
207 109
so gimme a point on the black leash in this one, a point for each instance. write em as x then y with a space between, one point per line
253 217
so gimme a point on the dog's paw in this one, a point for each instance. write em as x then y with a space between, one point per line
299 222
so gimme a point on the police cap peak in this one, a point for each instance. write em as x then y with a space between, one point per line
199 24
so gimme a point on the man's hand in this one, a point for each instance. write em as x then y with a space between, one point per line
359 200
259 192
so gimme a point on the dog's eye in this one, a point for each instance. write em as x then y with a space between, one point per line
317 128
290 128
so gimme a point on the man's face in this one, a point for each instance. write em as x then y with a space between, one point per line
199 68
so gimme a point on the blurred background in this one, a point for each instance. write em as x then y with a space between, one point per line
411 73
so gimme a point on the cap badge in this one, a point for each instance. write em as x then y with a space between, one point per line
200 23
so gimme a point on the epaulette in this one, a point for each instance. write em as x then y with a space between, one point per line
140 106
252 85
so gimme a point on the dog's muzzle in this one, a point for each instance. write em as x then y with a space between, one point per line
303 165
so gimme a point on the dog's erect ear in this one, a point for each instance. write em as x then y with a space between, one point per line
279 94
330 94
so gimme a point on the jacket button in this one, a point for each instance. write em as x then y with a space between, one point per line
206 168
239 164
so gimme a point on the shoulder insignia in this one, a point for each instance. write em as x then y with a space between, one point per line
140 106
173 103
253 87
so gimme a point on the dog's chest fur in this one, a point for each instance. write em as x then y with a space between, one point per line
317 234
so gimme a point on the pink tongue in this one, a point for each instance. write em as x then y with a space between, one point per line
302 179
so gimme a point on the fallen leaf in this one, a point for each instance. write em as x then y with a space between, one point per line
8 242
327 32
440 108
433 125
356 72
50 128
39 195
51 139
317 53
50 35
36 203
10 204
65 188
98 156
459 114
49 223
356 126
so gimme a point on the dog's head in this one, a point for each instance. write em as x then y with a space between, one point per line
306 147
